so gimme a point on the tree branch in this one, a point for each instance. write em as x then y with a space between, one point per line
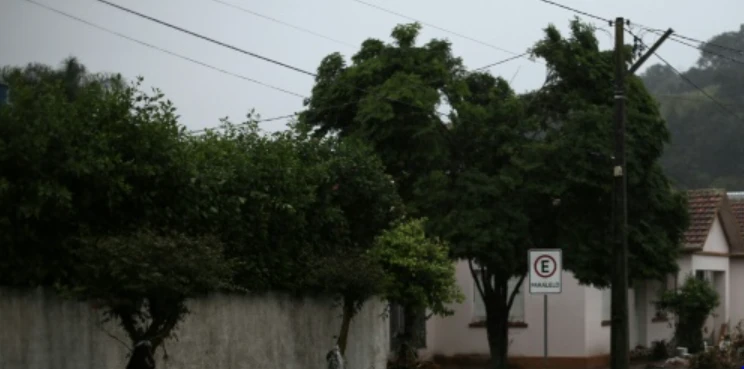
476 279
513 293
127 322
100 326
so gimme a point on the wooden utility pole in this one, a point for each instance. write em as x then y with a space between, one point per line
620 335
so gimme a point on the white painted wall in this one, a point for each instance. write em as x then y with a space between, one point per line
736 300
597 337
452 335
716 241
655 330
577 312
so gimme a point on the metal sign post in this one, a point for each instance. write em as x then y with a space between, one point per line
545 267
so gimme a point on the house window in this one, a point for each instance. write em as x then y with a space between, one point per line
704 275
606 304
516 313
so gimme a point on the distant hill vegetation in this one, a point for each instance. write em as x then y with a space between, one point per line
707 147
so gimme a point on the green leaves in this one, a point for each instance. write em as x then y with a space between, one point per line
388 97
577 101
148 264
107 198
76 156
692 304
418 271
695 300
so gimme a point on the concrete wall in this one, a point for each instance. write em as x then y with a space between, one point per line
38 330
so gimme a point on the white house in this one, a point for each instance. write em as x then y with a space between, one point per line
578 318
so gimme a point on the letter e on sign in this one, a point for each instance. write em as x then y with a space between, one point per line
545 267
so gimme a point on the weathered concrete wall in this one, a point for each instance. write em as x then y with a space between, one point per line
38 330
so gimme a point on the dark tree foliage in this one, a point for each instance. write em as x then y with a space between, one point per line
389 96
106 197
577 103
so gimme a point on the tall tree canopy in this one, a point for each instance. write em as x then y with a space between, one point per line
389 96
98 198
577 102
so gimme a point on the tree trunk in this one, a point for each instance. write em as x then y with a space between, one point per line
343 336
142 357
497 330
407 354
498 299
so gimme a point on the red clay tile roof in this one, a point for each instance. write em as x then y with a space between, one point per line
737 207
703 207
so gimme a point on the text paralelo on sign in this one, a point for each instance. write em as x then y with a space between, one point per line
545 267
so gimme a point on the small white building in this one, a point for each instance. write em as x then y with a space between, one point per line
579 332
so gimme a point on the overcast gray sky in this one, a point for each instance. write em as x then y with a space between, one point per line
29 33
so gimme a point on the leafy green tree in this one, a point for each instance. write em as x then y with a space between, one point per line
109 160
577 101
692 304
389 96
495 200
269 193
71 75
309 208
367 202
419 275
142 280
104 178
542 157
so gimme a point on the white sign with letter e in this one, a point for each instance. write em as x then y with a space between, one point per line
545 268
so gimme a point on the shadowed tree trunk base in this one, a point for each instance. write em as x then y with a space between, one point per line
343 336
142 357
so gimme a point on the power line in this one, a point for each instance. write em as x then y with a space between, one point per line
301 29
235 48
257 121
689 81
151 46
678 36
577 11
703 49
502 62
70 16
685 98
440 28
349 103
675 37
198 35
693 84
350 45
